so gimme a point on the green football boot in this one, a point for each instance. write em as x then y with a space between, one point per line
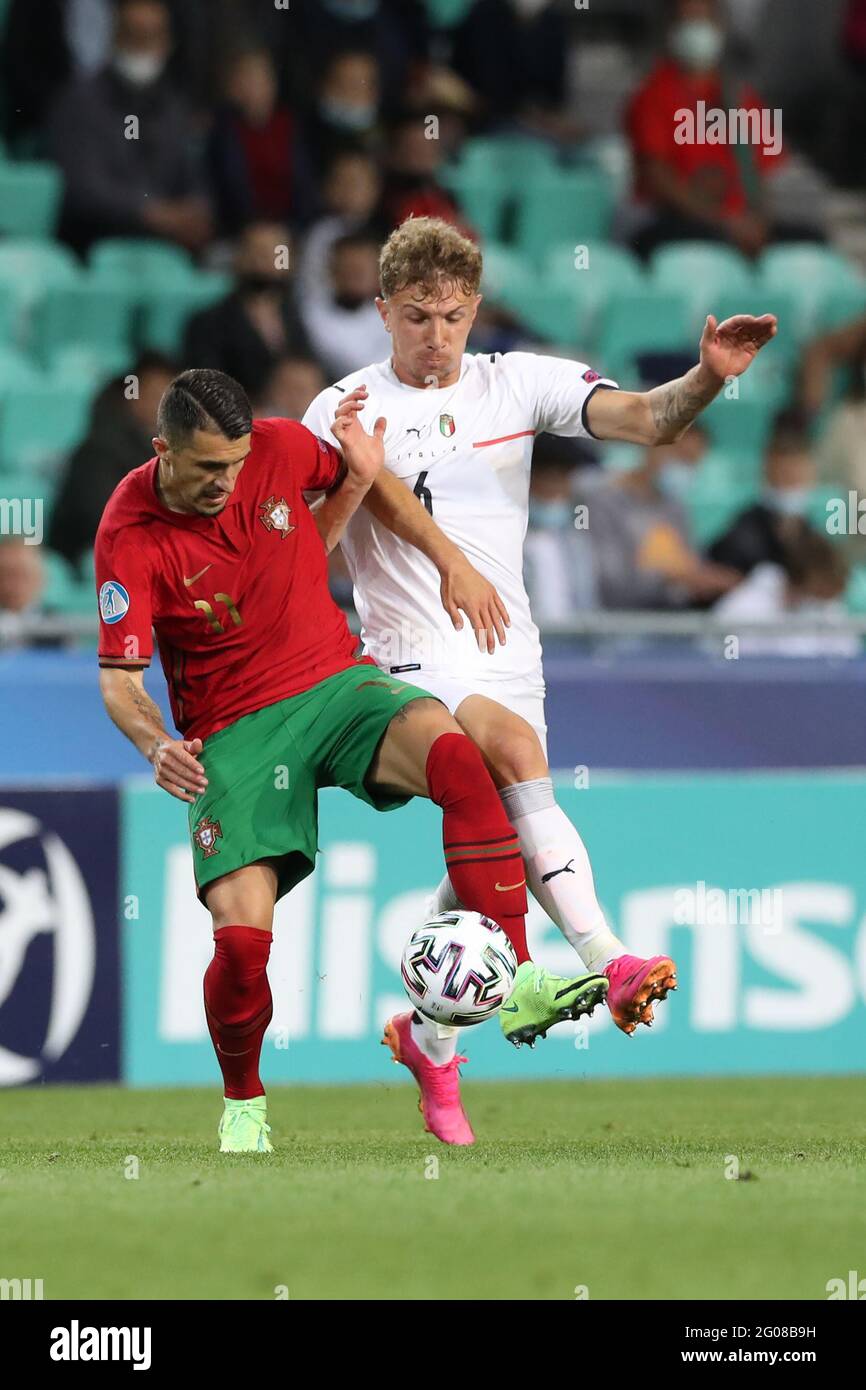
540 1000
243 1128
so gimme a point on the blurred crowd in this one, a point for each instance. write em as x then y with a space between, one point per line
305 127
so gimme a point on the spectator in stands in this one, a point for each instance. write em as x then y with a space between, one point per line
22 586
762 533
341 318
690 188
345 117
411 185
351 192
809 582
290 389
558 564
641 546
125 179
122 424
841 448
246 333
251 154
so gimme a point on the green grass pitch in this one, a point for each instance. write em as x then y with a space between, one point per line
617 1186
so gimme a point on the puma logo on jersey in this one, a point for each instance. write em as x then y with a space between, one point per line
567 870
187 582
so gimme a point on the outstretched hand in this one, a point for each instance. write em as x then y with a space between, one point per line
728 348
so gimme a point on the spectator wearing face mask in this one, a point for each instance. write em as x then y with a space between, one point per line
557 554
694 189
641 543
344 117
809 582
246 333
121 186
762 533
341 318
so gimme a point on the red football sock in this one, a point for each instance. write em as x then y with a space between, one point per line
481 847
238 1006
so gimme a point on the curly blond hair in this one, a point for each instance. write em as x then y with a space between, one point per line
429 253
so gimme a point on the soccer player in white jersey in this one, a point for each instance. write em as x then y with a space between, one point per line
458 450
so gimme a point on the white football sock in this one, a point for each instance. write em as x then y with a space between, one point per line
436 1040
444 899
553 849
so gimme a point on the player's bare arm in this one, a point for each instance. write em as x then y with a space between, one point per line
396 507
363 456
175 766
662 415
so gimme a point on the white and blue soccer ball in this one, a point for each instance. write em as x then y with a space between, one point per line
458 968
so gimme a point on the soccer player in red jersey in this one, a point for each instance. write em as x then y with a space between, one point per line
212 545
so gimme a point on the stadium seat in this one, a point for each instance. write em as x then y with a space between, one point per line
483 196
855 595
38 425
29 199
17 372
87 365
89 311
146 262
740 427
646 321
31 269
579 288
704 272
712 506
166 311
26 487
572 205
815 276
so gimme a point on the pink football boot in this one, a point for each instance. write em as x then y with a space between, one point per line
439 1086
634 984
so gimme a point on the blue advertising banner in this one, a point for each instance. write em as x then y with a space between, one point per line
756 885
59 947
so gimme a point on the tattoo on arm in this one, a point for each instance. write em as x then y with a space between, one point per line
143 703
676 404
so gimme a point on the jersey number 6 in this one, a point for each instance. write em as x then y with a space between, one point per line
215 624
423 493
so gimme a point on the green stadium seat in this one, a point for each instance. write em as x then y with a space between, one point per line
166 312
505 272
738 426
443 14
577 293
713 505
483 196
90 312
31 269
514 158
17 372
40 424
29 199
645 321
24 487
704 272
573 205
87 365
146 262
815 276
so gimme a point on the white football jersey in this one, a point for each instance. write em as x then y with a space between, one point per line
465 451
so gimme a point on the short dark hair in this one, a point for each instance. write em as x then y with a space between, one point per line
204 399
790 431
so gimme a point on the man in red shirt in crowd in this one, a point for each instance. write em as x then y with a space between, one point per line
694 188
212 544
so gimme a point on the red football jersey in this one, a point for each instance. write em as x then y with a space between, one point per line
239 601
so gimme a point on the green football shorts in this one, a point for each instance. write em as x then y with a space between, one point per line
264 772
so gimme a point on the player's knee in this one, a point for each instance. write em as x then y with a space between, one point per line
516 754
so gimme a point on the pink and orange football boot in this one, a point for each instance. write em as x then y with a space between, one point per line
439 1103
634 984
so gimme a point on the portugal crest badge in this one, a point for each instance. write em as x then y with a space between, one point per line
206 834
446 425
275 515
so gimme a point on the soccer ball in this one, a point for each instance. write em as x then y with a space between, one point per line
458 968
